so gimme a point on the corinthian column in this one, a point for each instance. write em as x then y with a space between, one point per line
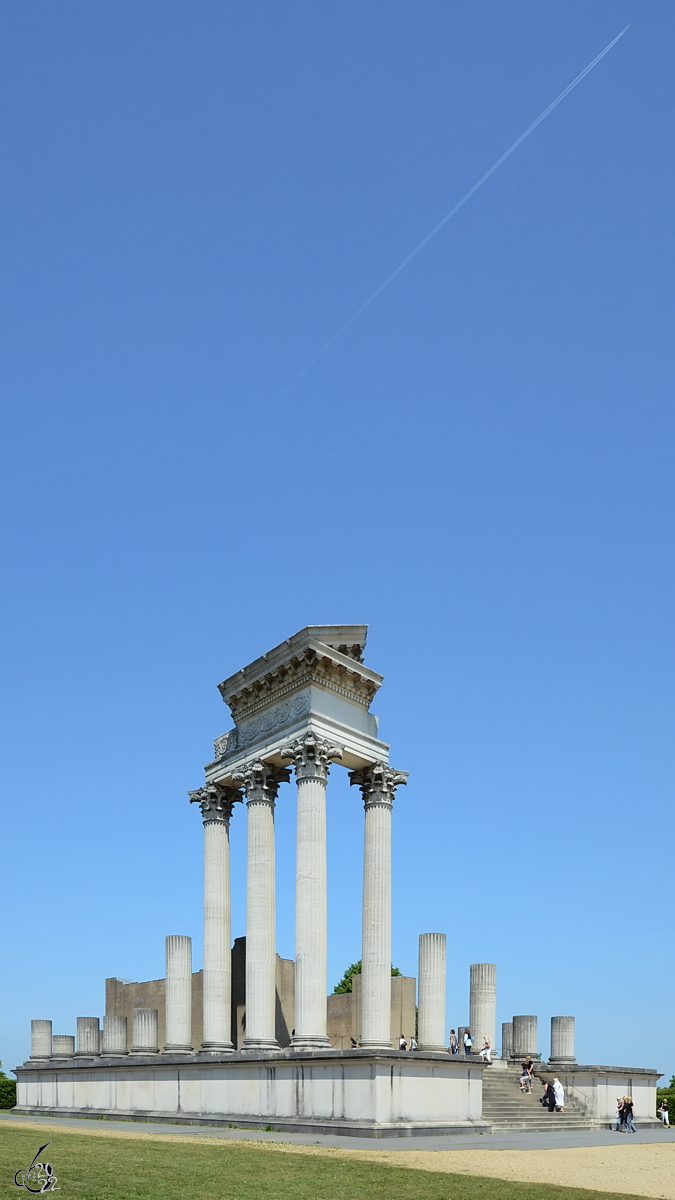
311 757
378 786
261 784
216 804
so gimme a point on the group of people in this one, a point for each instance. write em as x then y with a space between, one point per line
453 1047
553 1095
403 1044
625 1112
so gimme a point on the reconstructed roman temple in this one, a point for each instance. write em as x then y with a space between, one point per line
272 1050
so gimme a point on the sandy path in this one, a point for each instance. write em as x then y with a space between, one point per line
646 1170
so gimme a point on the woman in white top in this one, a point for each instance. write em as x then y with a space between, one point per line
487 1050
559 1093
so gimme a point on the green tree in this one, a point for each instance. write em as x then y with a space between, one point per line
345 984
7 1090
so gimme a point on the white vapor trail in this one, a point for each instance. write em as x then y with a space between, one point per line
432 233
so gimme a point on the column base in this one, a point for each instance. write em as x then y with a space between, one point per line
169 1049
563 1061
311 1041
376 1045
216 1048
146 1050
87 1054
255 1044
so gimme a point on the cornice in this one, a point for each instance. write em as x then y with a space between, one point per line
314 664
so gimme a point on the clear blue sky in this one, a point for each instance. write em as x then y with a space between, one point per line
195 196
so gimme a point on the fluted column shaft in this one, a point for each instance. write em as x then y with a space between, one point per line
507 1039
311 757
41 1039
378 786
114 1035
261 784
88 1037
562 1040
216 804
63 1045
145 1031
178 994
483 1003
525 1036
431 982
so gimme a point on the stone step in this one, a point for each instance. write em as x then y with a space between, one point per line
505 1106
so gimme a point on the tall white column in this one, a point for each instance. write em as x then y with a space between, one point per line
378 786
311 757
431 980
41 1040
178 950
483 1004
261 784
216 804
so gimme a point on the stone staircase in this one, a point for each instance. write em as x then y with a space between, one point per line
506 1107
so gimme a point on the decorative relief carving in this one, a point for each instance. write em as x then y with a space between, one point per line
225 741
311 756
216 802
302 669
261 726
261 780
378 783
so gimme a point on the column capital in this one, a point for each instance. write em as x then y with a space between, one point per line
260 781
378 783
216 802
311 756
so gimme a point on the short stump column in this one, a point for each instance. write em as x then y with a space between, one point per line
63 1045
144 1031
525 1037
114 1035
431 991
88 1037
562 1040
178 994
40 1040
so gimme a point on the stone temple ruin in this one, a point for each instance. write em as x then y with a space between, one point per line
252 1039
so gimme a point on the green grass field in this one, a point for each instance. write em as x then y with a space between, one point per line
105 1168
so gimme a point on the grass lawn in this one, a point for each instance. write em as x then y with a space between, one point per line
107 1168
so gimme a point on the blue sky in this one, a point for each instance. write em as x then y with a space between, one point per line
195 196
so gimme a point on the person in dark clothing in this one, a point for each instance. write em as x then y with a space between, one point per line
549 1096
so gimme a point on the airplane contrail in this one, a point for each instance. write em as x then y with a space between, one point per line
432 234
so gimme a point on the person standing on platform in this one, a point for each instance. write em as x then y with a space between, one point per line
486 1051
468 1043
453 1047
